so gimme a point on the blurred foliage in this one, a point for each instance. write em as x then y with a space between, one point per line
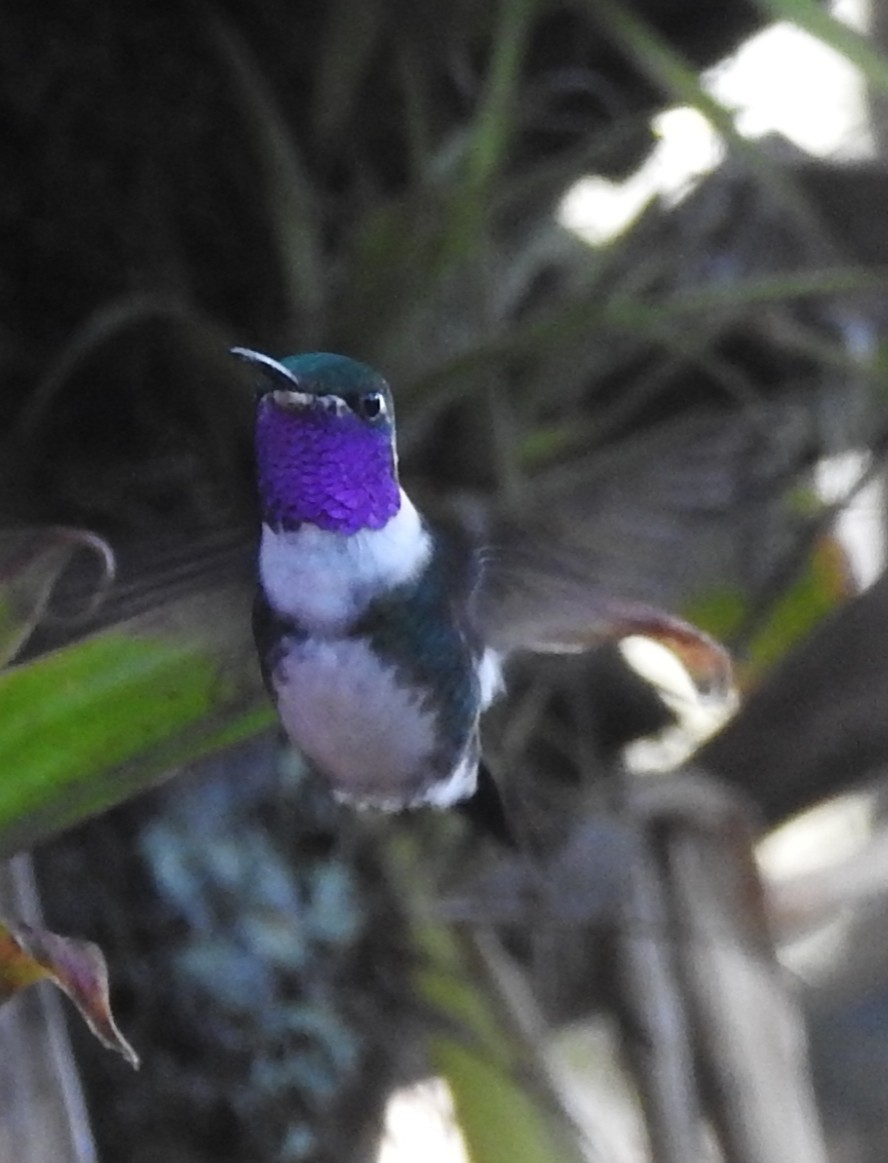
383 179
262 966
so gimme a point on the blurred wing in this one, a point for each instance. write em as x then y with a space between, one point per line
537 606
638 530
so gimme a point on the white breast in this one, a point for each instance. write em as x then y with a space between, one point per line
371 737
323 580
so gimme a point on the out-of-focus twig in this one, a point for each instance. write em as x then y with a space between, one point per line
750 1040
658 1033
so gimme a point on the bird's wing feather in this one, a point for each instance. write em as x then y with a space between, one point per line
605 555
540 605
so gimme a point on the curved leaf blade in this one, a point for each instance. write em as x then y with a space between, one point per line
29 955
32 560
87 726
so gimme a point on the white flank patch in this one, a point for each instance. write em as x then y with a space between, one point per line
459 785
490 676
323 580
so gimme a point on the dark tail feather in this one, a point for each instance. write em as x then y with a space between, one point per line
485 810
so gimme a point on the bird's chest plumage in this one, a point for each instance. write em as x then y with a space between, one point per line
385 701
376 736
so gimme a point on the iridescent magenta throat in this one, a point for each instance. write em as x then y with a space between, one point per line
323 469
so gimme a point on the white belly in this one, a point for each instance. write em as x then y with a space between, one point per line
347 712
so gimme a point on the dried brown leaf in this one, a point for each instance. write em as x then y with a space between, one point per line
78 968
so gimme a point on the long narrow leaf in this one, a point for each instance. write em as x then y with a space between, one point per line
292 203
31 562
87 726
508 1111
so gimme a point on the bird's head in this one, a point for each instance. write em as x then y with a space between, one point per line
325 443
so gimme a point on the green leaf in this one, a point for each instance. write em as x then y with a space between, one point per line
817 591
821 586
486 141
508 1111
87 726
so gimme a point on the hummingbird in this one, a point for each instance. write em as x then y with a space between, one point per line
382 635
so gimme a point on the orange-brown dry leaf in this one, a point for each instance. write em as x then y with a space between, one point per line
18 968
77 967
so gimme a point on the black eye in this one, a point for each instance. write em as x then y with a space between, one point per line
371 405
